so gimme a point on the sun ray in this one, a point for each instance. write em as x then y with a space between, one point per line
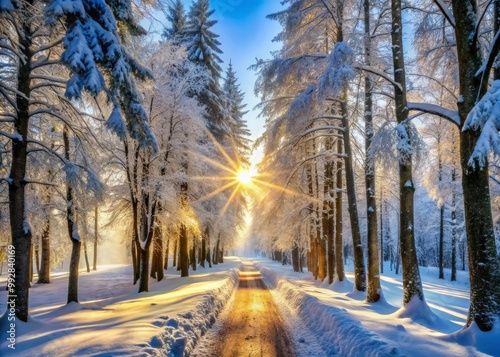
215 163
213 178
285 190
231 162
217 191
230 199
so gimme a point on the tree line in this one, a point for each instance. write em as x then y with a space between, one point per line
94 141
372 115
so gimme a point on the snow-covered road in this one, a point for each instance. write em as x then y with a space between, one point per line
253 327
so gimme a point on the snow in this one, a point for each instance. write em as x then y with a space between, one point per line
338 73
323 320
346 325
485 117
448 114
112 318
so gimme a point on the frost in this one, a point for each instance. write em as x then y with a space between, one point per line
26 226
338 72
74 233
485 117
72 173
93 49
116 124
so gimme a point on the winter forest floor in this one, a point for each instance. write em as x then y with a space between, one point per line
320 319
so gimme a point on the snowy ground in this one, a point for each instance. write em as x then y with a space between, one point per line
345 325
112 319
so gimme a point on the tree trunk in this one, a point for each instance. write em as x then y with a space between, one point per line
216 252
174 258
183 251
148 207
441 211
295 257
193 254
87 265
453 228
132 178
374 289
328 214
441 242
31 264
412 284
209 256
382 234
96 235
44 274
484 268
72 230
73 271
167 252
20 229
157 260
144 268
322 268
339 235
37 256
203 255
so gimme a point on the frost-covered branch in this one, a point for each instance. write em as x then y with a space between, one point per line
485 117
448 114
378 73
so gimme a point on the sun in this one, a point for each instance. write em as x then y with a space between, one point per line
244 177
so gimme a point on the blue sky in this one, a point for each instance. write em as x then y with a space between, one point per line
245 34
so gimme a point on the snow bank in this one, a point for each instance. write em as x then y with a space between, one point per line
338 333
180 334
112 319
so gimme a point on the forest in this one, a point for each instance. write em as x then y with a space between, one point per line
380 144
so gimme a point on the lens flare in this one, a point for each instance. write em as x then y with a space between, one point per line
245 177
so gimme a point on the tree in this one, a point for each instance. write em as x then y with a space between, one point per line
93 47
203 48
476 141
238 128
177 17
412 284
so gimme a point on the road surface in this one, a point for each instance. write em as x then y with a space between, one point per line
253 326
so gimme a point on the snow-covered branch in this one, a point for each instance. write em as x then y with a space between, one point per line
448 114
384 75
485 117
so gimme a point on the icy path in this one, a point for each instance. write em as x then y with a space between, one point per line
257 323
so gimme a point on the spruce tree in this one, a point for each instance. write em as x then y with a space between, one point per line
177 17
235 107
203 48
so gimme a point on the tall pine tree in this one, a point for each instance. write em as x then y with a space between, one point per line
235 107
203 48
177 17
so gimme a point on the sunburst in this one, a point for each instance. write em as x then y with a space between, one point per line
240 179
